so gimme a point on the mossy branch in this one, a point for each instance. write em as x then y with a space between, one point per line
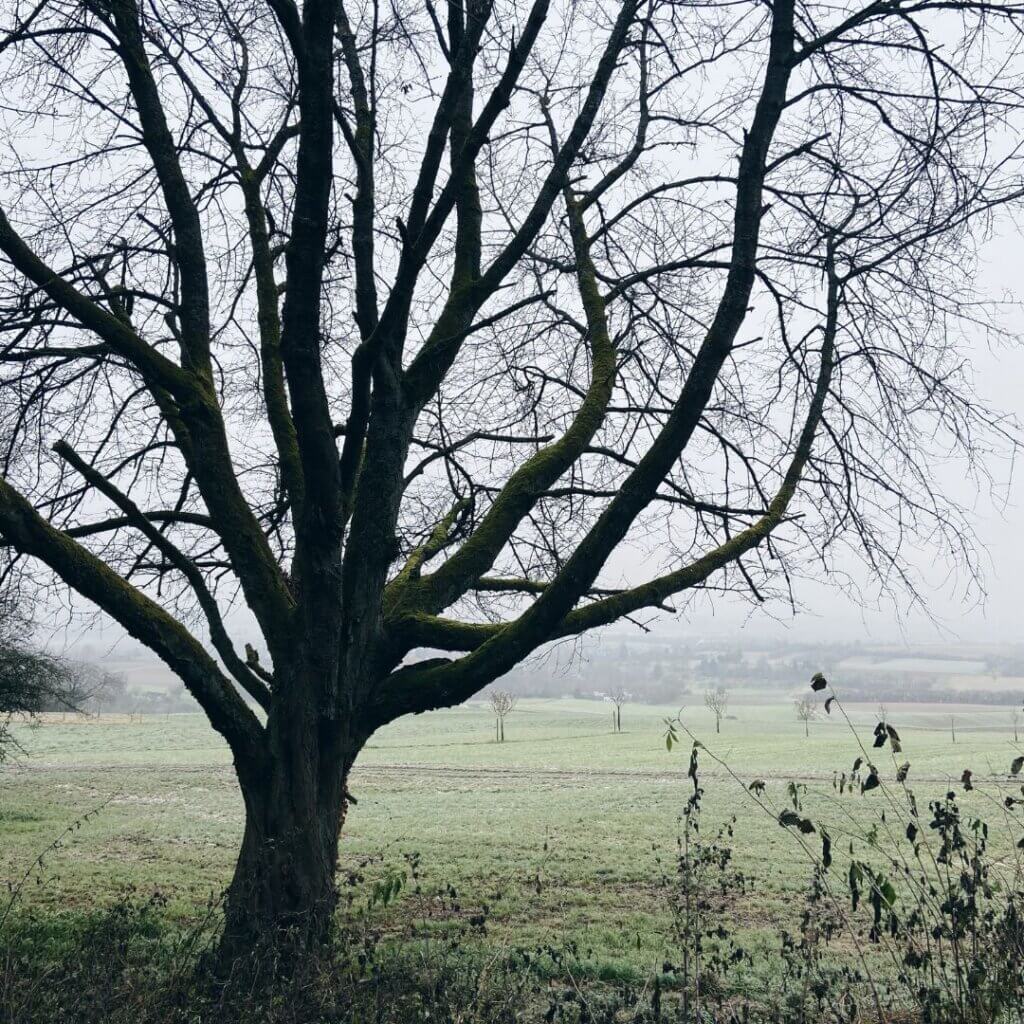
142 617
252 684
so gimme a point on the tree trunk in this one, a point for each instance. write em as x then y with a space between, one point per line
281 901
718 724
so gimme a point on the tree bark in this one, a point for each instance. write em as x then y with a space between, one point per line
281 901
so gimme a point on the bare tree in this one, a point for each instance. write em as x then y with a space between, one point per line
717 702
806 712
393 325
503 704
95 688
31 681
112 691
618 697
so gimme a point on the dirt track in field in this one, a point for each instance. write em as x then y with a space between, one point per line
480 774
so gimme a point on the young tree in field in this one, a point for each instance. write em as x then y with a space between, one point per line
806 712
392 323
618 696
717 702
1016 724
503 704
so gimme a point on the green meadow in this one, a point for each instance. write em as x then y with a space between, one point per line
566 831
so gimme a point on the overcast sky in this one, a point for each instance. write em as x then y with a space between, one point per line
959 611
956 610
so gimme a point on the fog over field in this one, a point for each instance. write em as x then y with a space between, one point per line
509 512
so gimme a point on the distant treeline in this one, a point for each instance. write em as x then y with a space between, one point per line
918 687
91 689
653 681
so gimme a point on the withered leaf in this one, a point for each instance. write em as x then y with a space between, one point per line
894 739
790 819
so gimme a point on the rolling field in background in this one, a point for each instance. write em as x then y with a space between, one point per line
564 831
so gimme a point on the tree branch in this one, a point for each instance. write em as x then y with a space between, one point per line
252 685
145 620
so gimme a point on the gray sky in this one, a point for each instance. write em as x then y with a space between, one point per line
956 610
960 610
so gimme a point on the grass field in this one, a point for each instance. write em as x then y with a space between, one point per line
565 830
